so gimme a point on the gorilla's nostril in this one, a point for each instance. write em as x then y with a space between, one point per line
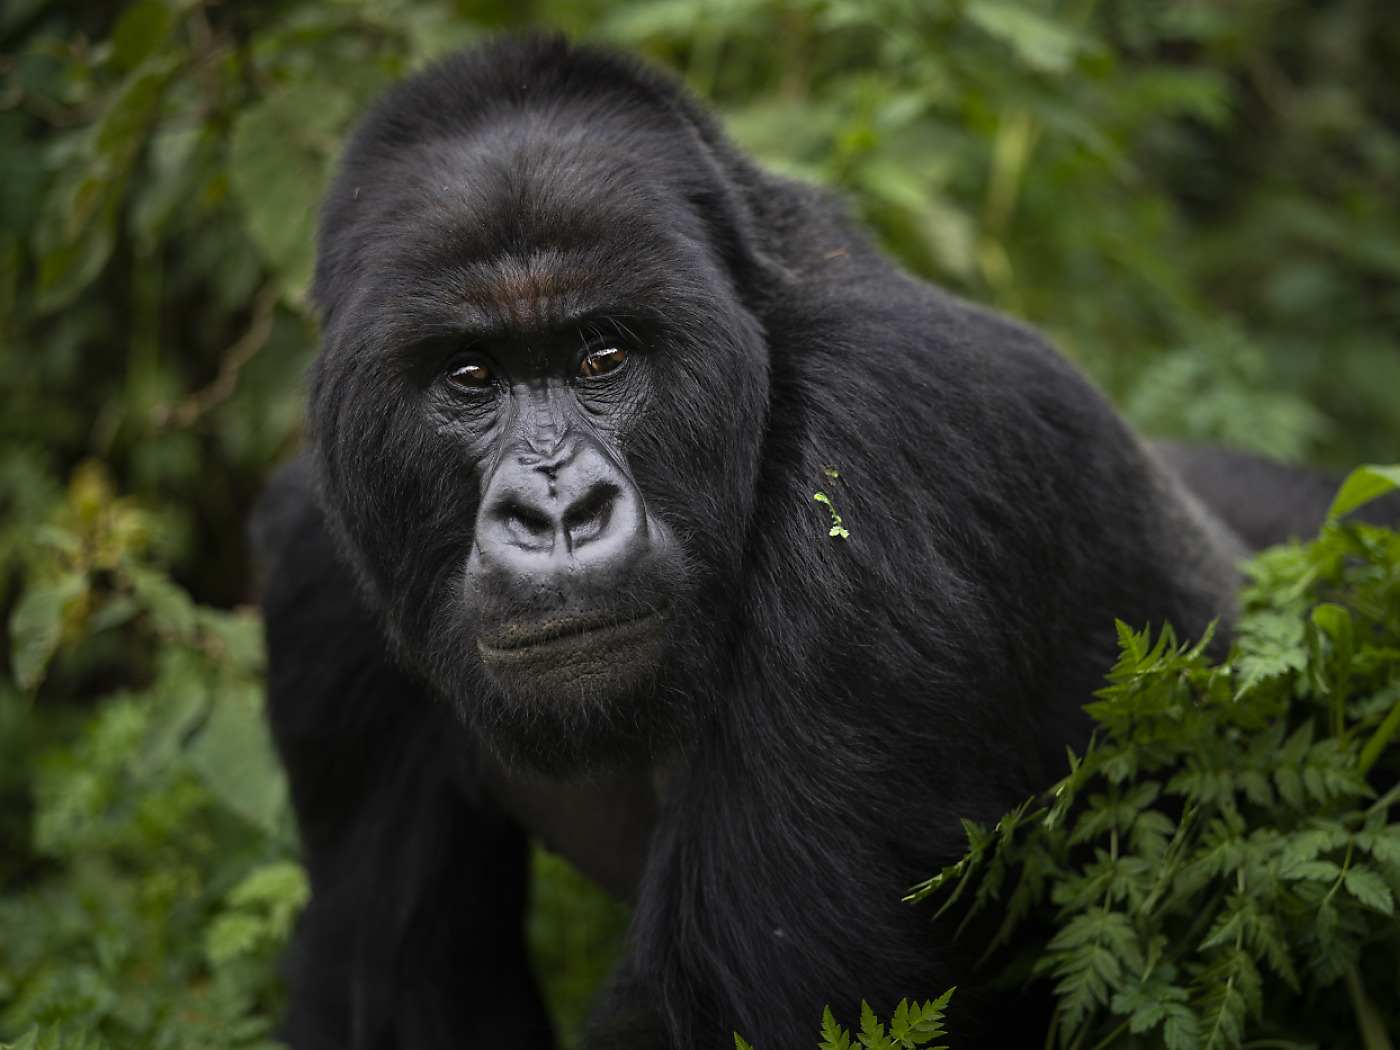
589 515
528 519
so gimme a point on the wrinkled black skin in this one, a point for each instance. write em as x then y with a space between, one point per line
804 720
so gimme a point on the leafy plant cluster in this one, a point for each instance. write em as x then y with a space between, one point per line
1197 198
1222 865
158 882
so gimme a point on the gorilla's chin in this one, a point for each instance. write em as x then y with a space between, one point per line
581 660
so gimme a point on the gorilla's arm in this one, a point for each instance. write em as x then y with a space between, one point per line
413 937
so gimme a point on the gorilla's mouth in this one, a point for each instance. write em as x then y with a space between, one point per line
610 629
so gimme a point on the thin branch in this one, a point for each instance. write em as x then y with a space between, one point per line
197 404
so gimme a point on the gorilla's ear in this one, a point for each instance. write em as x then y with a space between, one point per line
736 232
732 231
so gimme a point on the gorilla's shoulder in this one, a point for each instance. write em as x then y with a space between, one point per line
286 518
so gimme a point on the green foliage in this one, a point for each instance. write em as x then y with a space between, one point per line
576 932
1156 184
838 530
1223 864
162 824
1198 200
1363 485
56 1039
912 1025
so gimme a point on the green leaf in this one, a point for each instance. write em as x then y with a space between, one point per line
141 29
872 1032
834 1037
1271 645
1363 485
261 911
233 755
68 267
1039 42
169 606
917 1025
1315 870
36 626
233 935
278 159
1181 1029
1336 622
1153 1001
79 230
280 885
1088 956
1369 888
1230 988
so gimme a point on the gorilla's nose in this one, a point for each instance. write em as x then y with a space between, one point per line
570 511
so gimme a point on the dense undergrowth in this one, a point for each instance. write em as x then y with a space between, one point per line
1198 200
1222 866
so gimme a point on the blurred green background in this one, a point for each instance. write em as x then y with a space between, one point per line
1198 199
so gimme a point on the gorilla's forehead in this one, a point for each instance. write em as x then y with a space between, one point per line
510 187
532 226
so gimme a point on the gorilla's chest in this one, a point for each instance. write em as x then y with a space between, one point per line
603 827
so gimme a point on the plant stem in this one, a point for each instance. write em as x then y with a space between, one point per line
1379 739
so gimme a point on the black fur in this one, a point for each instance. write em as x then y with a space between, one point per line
788 743
1265 502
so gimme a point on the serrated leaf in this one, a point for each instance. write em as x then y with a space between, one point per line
1369 888
1088 956
872 1032
1181 1030
834 1037
1231 988
1271 646
916 1025
1316 870
1383 842
1146 1002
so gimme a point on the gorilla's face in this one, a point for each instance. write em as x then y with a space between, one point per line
571 579
537 413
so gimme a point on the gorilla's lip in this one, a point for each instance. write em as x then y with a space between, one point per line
567 632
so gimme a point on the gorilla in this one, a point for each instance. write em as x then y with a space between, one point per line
552 565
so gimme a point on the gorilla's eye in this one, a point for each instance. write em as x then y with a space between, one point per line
602 361
471 376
